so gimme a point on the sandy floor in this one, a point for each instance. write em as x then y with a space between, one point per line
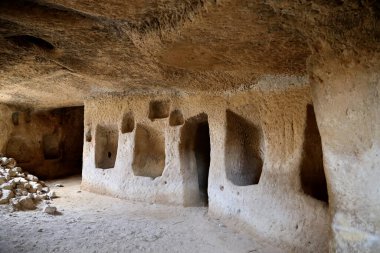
95 223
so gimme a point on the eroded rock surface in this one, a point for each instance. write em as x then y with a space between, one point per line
288 92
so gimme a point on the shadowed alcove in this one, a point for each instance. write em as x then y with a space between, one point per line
159 109
313 180
243 150
195 157
149 152
127 123
49 143
176 118
106 143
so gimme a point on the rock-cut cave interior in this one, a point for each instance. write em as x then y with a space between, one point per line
190 126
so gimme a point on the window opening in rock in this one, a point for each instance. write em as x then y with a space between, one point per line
149 152
106 145
243 150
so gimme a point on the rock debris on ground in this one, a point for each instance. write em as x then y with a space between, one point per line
22 190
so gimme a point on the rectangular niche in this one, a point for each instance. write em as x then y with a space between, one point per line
243 150
159 109
176 118
106 143
195 151
149 152
127 123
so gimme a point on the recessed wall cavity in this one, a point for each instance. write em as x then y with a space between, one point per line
29 41
176 118
51 146
195 158
48 143
15 118
312 173
243 150
127 123
17 146
159 109
106 144
149 152
28 116
89 135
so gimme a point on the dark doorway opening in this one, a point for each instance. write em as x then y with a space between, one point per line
195 159
48 143
202 156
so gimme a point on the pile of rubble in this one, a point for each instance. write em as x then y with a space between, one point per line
22 190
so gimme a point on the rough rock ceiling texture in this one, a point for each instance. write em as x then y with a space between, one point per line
57 52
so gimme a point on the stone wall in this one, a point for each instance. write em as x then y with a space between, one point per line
261 176
345 92
47 143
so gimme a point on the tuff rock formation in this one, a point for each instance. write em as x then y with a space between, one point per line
267 111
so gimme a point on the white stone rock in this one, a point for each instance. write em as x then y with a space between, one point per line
11 163
52 194
20 180
7 186
36 186
7 176
30 177
32 190
3 161
21 175
23 181
27 203
12 173
15 203
18 192
6 195
49 209
17 169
